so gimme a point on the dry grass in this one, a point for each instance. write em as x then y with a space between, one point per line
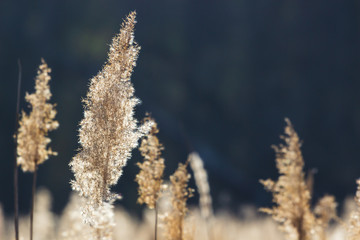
150 177
291 194
109 132
32 137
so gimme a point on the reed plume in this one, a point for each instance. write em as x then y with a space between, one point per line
151 169
202 184
32 134
108 132
290 192
292 196
180 193
32 137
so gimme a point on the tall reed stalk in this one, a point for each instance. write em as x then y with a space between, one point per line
33 192
16 191
32 137
151 170
180 193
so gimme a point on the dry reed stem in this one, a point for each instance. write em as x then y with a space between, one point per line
151 172
32 134
16 190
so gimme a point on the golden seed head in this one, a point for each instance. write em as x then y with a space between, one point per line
290 193
151 169
32 137
108 132
180 193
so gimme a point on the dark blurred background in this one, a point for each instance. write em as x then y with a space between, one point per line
218 76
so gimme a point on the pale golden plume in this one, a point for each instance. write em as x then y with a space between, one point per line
290 192
180 193
32 137
202 184
108 132
151 169
292 196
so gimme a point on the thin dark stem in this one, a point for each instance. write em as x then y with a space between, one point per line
33 202
16 197
156 220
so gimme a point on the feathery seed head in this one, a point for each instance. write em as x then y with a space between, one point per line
201 180
151 170
180 193
32 138
108 132
290 193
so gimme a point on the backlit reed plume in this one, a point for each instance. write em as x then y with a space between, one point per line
353 229
108 132
34 127
202 184
290 192
32 135
151 169
180 192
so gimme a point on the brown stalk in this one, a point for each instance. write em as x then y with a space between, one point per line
16 197
33 202
156 220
